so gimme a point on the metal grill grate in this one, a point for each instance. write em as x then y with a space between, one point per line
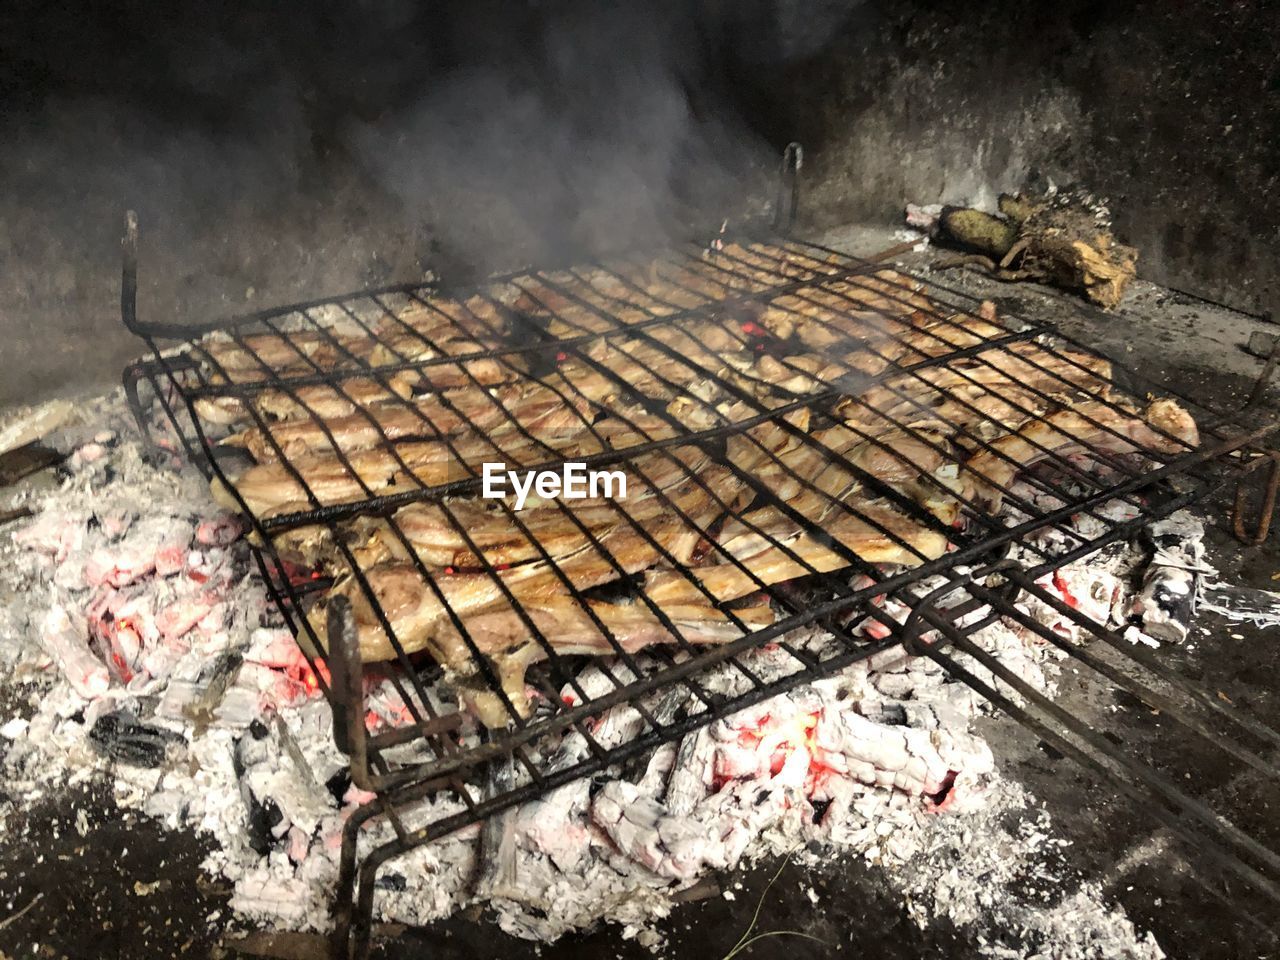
823 410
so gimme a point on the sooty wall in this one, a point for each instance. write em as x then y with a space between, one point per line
305 149
1169 109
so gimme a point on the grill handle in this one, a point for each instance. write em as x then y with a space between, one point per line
129 274
787 204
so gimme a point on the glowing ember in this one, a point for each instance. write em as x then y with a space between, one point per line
1063 589
790 744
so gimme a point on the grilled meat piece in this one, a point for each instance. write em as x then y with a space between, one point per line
323 401
267 352
271 489
676 483
1000 372
766 547
835 313
505 639
1163 428
446 414
442 319
331 402
418 612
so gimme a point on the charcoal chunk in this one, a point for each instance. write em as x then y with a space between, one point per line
121 736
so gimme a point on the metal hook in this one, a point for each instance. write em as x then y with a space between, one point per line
1267 510
913 629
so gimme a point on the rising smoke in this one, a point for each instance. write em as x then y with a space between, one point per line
292 151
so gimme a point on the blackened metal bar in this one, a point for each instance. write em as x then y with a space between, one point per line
1154 781
1142 691
1168 817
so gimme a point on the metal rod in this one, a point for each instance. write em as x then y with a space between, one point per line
787 205
1266 510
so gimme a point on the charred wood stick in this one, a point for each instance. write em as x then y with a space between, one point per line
690 774
300 763
64 638
202 711
18 464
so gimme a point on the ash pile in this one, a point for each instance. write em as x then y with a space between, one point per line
143 638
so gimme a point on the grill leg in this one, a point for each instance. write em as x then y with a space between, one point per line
346 672
362 926
149 370
344 894
133 375
1267 509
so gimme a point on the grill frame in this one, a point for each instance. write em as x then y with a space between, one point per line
1196 473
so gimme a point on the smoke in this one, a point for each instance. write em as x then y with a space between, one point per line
593 128
293 151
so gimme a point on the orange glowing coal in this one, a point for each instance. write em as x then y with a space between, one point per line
780 741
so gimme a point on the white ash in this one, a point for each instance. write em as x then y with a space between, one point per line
1261 608
130 594
1067 920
